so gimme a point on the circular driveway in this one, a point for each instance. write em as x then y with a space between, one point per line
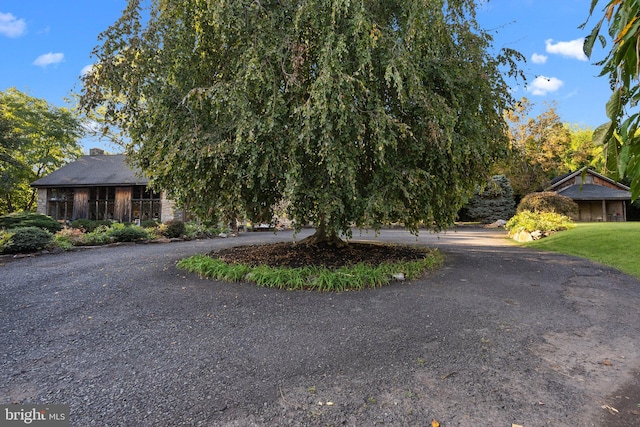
500 335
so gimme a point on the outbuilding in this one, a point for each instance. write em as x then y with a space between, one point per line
599 198
102 186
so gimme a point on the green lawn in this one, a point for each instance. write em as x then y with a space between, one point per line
616 244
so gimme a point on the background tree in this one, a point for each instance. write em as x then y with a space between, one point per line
491 202
621 65
37 138
583 151
540 147
354 112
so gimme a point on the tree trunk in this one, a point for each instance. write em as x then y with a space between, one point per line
32 200
9 204
322 236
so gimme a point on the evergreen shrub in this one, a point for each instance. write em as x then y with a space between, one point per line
29 219
28 239
129 233
490 203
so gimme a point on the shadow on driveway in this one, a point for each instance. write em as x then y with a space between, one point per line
500 334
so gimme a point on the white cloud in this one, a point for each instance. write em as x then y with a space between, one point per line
543 85
571 49
48 59
86 70
11 26
538 58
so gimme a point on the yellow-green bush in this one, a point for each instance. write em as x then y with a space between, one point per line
538 221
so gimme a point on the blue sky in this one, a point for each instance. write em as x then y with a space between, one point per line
45 45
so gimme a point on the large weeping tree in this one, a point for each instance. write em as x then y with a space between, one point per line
353 112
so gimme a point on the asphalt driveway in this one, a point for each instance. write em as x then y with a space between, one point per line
500 335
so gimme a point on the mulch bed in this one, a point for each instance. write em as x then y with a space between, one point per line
298 255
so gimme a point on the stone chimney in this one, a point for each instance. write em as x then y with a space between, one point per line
96 152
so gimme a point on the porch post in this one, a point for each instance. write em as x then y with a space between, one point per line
604 211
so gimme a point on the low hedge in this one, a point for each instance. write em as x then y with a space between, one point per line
129 234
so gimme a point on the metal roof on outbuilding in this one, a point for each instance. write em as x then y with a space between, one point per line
94 170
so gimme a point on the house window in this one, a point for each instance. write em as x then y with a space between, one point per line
101 202
60 203
145 204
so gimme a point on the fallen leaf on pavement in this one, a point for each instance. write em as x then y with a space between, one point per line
435 423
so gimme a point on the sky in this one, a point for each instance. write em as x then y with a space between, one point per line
45 45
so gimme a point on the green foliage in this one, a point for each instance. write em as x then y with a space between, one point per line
69 237
358 113
89 224
538 221
492 202
173 229
358 276
621 65
548 201
36 138
28 239
97 237
195 230
5 238
584 151
150 223
29 219
130 233
540 148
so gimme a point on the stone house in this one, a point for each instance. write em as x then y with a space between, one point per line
102 186
599 198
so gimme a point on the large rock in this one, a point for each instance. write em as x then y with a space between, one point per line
522 236
497 224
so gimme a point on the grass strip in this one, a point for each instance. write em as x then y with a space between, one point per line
616 244
355 277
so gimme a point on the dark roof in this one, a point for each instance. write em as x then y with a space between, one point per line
557 179
556 182
98 170
594 192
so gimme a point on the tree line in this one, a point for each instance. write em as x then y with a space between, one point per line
353 113
37 138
